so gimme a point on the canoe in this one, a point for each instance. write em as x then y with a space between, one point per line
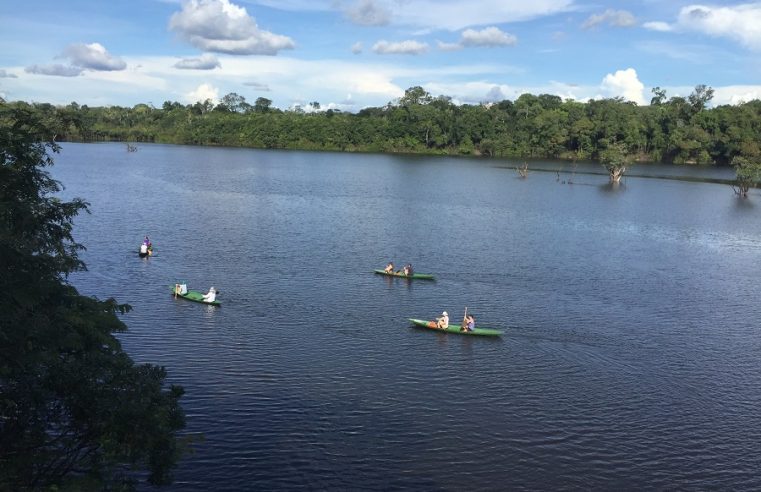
421 276
455 328
195 296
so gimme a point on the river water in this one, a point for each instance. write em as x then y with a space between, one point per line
631 354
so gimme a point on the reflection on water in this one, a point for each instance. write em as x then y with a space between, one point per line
630 348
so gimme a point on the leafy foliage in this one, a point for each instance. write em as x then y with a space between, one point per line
748 173
75 411
676 130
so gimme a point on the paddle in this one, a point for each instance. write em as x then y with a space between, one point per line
465 319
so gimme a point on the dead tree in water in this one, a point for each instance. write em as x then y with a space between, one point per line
615 158
523 170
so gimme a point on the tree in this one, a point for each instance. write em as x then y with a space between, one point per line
659 96
615 158
75 411
700 97
234 103
747 172
262 105
415 95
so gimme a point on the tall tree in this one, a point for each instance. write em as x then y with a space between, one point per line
262 105
415 95
700 97
75 411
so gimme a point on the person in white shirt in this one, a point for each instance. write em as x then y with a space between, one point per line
443 321
211 296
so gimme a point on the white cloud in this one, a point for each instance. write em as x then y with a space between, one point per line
204 62
356 48
93 57
202 93
223 27
409 47
448 46
739 22
626 84
7 75
735 94
658 26
616 18
475 92
57 70
490 36
82 57
369 13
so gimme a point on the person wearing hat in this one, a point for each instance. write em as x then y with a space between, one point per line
443 321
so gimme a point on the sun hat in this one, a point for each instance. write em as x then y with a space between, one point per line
445 313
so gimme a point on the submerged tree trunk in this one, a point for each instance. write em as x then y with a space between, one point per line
616 173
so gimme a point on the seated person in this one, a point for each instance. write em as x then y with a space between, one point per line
443 321
407 269
389 268
210 296
469 323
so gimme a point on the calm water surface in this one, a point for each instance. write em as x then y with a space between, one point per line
631 355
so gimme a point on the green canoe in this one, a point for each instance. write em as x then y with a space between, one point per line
421 276
195 296
455 328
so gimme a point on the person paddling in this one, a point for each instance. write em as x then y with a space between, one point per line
211 296
443 321
468 322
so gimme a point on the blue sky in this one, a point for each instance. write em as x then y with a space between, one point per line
351 54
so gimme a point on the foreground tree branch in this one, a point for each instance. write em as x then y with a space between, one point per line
76 413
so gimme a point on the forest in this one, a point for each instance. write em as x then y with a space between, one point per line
678 130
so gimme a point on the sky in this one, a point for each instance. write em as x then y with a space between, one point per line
352 54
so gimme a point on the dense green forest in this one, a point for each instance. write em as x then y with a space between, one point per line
681 130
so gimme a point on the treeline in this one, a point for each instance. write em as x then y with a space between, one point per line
681 130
